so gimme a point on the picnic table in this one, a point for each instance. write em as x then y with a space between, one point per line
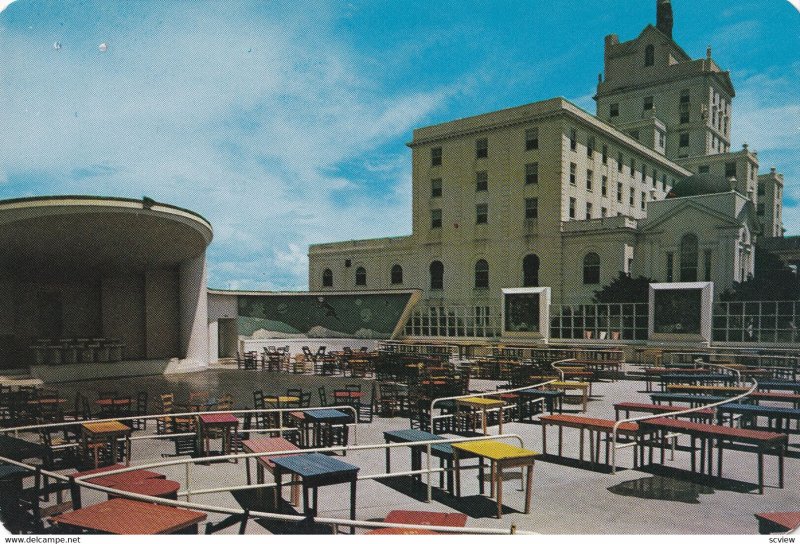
316 470
267 445
128 517
501 456
482 404
759 442
95 434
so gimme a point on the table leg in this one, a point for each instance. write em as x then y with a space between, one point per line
560 440
480 475
781 455
278 477
247 469
719 458
127 450
388 459
499 476
693 443
580 442
457 472
528 488
761 470
353 504
500 430
492 477
544 439
483 421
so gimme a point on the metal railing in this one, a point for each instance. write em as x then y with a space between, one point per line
81 481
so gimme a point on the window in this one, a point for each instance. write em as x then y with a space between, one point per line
573 173
683 139
685 96
730 169
436 187
481 181
631 197
436 219
762 189
648 103
649 55
661 139
620 161
613 110
605 154
644 173
761 209
436 156
481 274
397 274
663 182
670 264
644 200
531 173
589 180
590 146
573 139
655 178
530 271
481 214
437 275
707 264
689 256
604 186
591 269
603 212
572 205
588 210
361 276
633 167
619 192
481 148
531 208
532 139
703 169
327 278
684 106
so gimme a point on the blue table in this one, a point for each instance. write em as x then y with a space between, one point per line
778 419
316 470
779 385
329 426
552 399
444 452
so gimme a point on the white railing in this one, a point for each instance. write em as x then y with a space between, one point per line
81 481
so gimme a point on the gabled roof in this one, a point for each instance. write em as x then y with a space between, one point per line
681 204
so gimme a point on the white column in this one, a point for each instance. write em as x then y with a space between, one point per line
193 313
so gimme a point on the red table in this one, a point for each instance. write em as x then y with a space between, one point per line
777 522
266 445
440 519
227 423
152 487
128 517
399 531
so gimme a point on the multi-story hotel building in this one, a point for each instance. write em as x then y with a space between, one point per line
546 194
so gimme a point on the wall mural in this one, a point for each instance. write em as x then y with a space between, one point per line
321 316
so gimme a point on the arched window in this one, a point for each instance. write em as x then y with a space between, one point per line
397 274
327 278
481 274
689 255
591 269
530 271
437 275
649 55
361 276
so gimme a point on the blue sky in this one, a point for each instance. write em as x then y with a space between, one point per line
285 122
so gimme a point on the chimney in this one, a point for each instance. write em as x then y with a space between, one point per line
664 16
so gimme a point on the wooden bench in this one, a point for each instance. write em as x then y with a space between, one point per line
706 414
691 400
691 378
760 442
595 426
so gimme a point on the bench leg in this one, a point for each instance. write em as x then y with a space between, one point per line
529 481
498 469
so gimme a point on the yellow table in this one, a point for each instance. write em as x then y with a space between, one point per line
97 434
483 404
502 456
583 387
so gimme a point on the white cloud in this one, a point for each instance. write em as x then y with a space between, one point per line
243 121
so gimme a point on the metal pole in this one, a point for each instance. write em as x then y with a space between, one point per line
428 474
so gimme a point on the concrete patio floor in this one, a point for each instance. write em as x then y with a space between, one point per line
568 497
